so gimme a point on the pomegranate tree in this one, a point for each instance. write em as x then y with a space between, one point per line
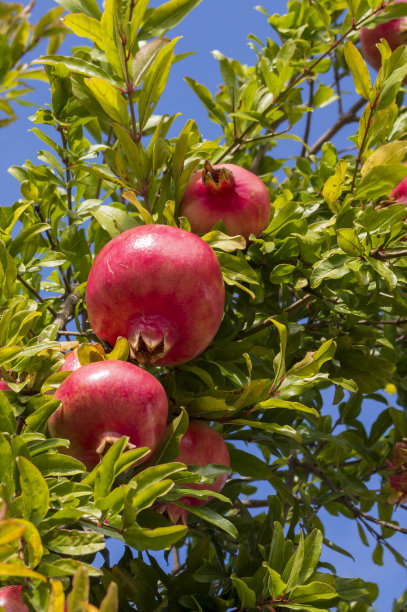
200 445
162 288
105 400
10 599
394 31
228 193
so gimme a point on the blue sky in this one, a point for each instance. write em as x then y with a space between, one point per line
224 25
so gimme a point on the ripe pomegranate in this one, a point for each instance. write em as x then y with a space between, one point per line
162 288
394 31
4 386
10 599
104 400
399 193
71 362
227 192
200 445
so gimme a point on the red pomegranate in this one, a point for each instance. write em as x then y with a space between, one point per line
71 362
227 192
4 386
105 400
394 31
10 599
162 288
200 445
399 193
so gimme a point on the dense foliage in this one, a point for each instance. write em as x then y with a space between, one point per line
317 301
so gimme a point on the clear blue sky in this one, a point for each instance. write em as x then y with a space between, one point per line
224 25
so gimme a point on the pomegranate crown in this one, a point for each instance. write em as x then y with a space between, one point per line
217 179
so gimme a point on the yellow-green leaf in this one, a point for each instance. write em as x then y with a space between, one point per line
359 70
109 99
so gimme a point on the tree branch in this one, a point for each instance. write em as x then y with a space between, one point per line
348 117
63 315
389 255
261 326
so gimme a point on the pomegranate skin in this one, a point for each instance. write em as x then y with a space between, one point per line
10 599
104 400
4 386
71 362
229 193
399 193
162 288
202 445
394 31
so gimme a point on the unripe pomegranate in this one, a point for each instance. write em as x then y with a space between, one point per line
394 31
162 288
229 193
105 400
200 445
10 599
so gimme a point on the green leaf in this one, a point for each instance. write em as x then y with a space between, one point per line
83 25
34 491
380 180
215 112
219 240
154 539
58 465
113 220
16 570
155 82
212 517
277 586
276 403
247 596
110 99
111 38
359 70
390 153
312 552
292 570
73 542
279 360
7 418
169 450
334 186
77 65
144 57
348 241
384 271
313 592
80 590
165 17
110 602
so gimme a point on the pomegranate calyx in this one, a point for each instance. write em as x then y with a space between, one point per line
147 350
107 442
217 179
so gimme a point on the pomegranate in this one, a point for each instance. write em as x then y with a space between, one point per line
227 192
71 362
200 445
4 386
394 31
104 400
399 193
162 288
10 599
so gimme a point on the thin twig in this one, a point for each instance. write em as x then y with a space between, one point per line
381 256
309 118
36 294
